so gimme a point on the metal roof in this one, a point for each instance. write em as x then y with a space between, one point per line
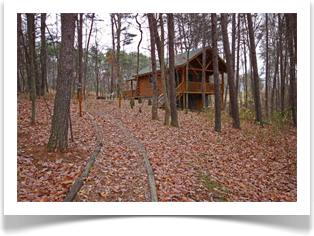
179 60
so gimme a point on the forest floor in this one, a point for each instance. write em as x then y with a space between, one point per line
190 163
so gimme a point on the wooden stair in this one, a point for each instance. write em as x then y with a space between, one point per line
161 99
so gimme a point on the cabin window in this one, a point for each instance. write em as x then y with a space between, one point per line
199 78
178 77
190 78
150 80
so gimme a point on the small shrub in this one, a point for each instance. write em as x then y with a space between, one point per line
149 102
139 100
132 103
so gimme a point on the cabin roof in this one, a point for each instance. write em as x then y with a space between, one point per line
179 60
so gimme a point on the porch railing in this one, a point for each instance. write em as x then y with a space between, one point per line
128 93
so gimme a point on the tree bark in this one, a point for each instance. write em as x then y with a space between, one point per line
30 29
173 102
216 74
86 56
274 83
59 128
238 52
266 82
154 68
19 20
282 79
204 64
162 69
113 54
293 92
43 54
232 92
256 78
80 49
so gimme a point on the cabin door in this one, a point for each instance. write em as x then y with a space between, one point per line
199 104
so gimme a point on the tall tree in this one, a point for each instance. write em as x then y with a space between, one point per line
238 52
80 48
154 67
173 103
293 91
204 63
43 55
266 70
162 71
118 24
282 79
216 74
232 92
59 128
160 49
256 78
19 21
112 54
86 56
274 83
31 31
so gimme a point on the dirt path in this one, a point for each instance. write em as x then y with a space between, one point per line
119 172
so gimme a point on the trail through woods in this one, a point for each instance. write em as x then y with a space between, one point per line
190 163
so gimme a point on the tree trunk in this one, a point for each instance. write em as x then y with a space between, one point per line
274 84
162 69
238 50
293 92
256 78
204 65
233 55
173 102
154 68
19 20
59 128
118 27
266 82
282 79
113 55
216 75
86 56
80 49
43 54
233 97
30 29
245 65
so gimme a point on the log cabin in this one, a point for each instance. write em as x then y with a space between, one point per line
144 87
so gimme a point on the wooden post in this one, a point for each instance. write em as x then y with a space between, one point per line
80 102
119 100
183 101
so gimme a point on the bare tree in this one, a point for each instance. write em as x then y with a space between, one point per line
256 78
204 101
19 20
173 103
266 70
86 56
232 92
43 54
216 74
293 92
113 53
31 31
59 128
154 68
80 48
